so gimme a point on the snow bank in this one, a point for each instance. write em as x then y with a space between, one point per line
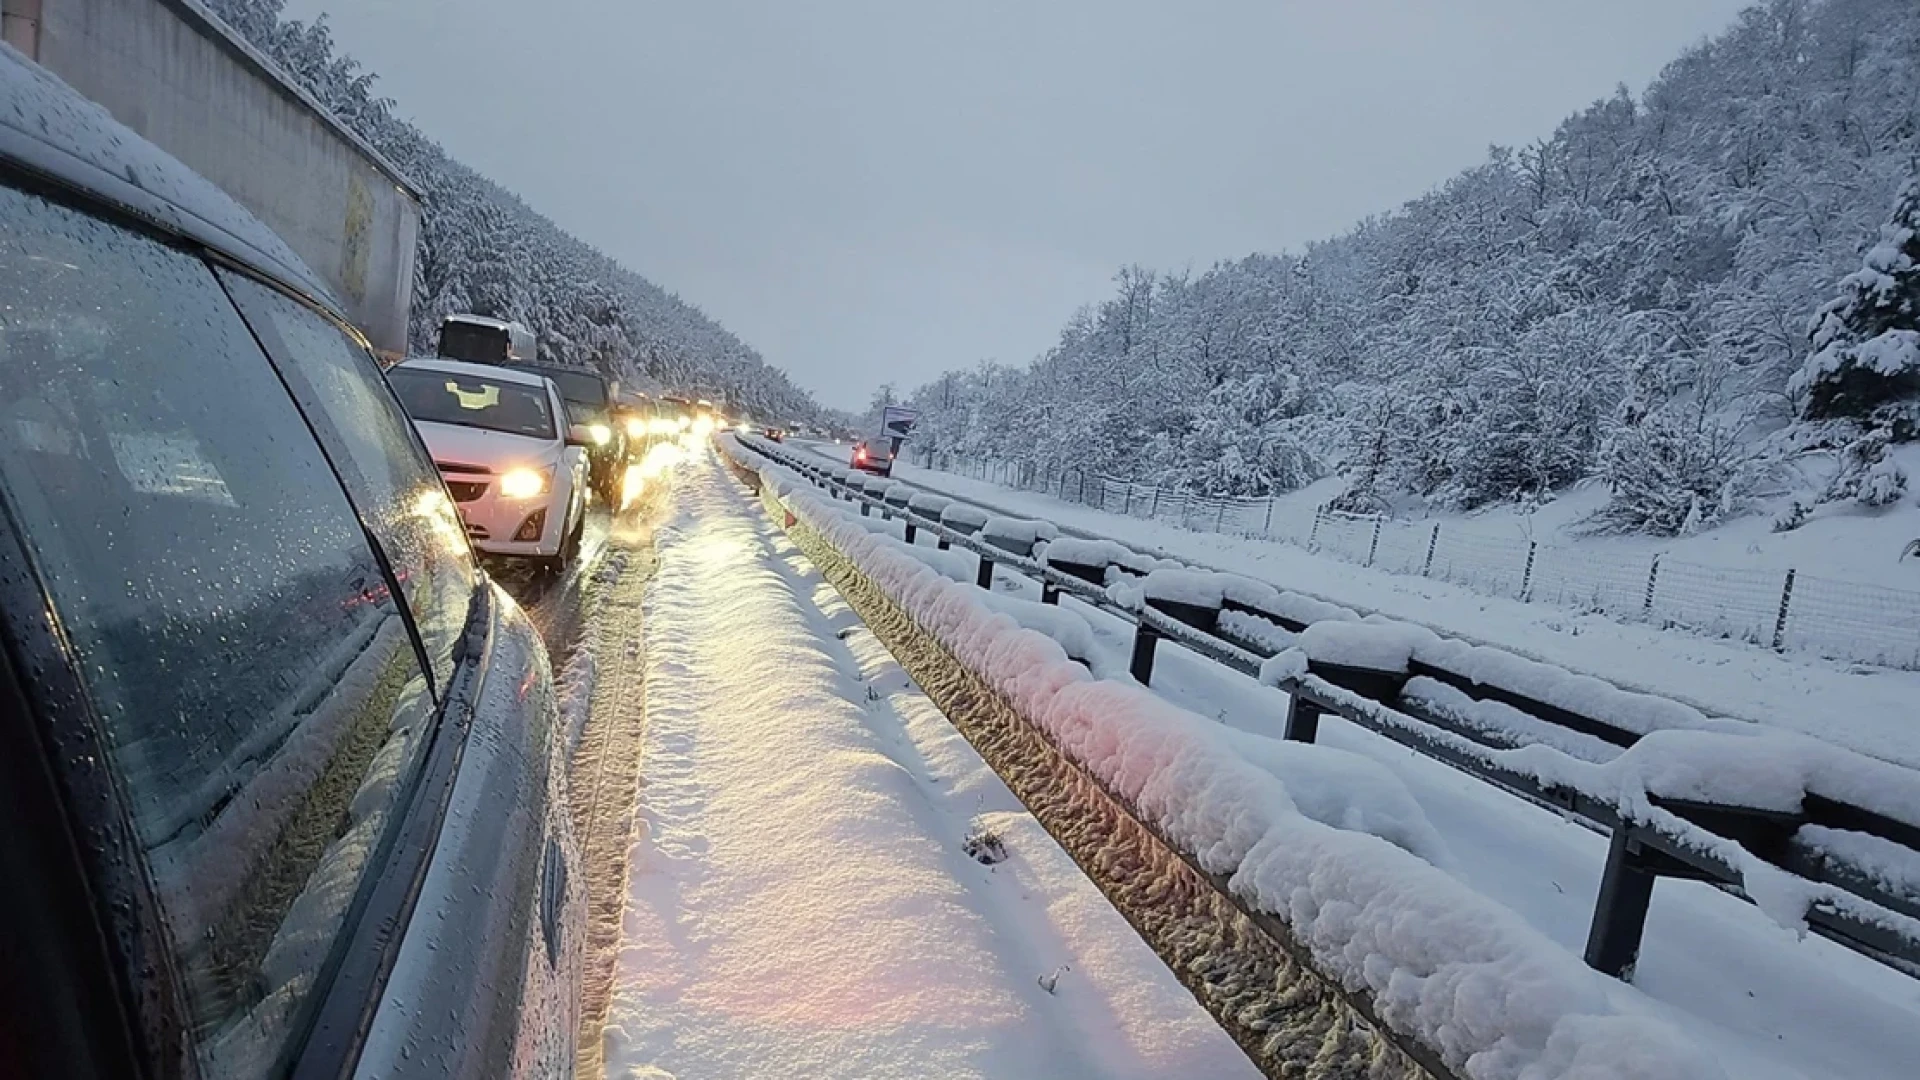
928 504
1583 694
1502 722
1377 646
1441 962
961 514
1196 587
1077 552
1021 533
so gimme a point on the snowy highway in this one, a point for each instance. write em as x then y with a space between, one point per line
801 897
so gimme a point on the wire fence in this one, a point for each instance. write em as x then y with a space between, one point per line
1843 620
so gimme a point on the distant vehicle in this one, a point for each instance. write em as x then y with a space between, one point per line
515 467
776 434
874 456
590 398
282 780
478 339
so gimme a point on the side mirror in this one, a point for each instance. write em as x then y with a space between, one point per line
578 435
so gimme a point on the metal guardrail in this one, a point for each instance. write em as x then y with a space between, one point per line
1683 845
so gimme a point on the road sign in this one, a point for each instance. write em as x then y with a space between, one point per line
897 423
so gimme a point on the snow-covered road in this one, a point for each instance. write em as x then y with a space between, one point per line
800 903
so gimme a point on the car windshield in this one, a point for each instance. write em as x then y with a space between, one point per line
444 397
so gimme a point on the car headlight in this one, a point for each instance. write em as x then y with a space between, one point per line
636 428
524 483
600 433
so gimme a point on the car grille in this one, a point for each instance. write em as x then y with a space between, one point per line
465 491
478 532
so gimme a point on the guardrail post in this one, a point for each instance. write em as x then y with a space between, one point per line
866 509
1426 569
985 578
1653 578
911 532
1049 593
1526 576
1375 545
1145 637
1620 913
1303 720
1780 624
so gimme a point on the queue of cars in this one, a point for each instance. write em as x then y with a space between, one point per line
282 785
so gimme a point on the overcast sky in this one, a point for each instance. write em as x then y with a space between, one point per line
879 190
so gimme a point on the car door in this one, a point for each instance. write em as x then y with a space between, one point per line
496 955
216 668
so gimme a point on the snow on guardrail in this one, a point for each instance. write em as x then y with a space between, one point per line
1441 963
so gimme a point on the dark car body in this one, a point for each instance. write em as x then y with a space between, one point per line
591 402
874 456
281 783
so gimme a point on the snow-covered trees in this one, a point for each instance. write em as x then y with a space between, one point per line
483 250
1866 360
1625 301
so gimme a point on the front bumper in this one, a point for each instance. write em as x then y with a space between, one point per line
498 525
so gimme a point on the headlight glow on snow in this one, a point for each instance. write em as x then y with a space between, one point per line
523 484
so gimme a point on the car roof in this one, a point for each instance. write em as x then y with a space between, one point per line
483 320
519 376
49 129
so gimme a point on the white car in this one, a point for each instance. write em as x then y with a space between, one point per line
517 472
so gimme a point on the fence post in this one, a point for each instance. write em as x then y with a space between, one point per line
1426 570
1526 576
1780 624
1303 719
1220 516
1653 578
1153 510
1313 535
1127 510
1140 665
1081 498
1267 529
1375 545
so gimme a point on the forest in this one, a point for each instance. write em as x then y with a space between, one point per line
1675 294
484 250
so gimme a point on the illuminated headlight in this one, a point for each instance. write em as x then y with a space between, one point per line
636 428
524 484
600 433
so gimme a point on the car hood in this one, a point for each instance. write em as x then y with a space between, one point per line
496 450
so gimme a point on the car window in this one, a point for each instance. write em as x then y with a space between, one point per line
260 700
443 397
397 489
